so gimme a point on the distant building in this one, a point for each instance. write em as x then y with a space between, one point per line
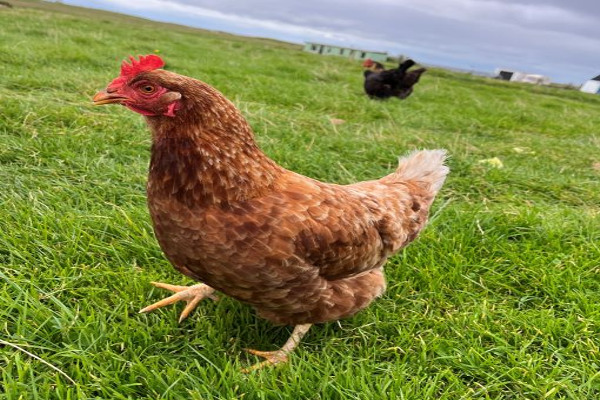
516 76
356 54
591 86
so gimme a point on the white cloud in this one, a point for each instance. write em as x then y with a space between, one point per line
297 33
162 7
494 11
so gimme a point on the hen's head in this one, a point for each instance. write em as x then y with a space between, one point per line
368 63
142 87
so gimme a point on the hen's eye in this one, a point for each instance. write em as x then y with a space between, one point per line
147 89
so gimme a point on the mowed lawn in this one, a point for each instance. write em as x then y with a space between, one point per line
499 298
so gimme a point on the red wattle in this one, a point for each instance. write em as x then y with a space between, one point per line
171 108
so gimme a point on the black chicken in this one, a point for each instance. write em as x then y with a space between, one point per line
397 82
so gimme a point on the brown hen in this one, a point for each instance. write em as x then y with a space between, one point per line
300 251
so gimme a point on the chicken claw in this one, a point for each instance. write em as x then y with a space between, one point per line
191 294
278 356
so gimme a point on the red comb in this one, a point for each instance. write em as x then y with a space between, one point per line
145 63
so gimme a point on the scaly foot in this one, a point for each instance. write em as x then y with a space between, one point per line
191 294
279 356
271 358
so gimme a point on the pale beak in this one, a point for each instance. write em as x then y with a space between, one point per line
103 97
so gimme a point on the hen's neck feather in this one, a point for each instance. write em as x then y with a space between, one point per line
207 154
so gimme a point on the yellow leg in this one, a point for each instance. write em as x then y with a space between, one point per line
191 294
279 356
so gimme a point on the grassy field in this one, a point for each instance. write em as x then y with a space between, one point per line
498 299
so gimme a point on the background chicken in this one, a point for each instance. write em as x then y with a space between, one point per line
298 250
397 82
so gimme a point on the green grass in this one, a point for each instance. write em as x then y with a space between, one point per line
498 299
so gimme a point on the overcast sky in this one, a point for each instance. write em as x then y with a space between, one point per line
560 39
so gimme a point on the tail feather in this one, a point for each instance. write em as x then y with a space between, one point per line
405 65
425 166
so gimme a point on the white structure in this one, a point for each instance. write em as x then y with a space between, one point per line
356 54
515 76
591 86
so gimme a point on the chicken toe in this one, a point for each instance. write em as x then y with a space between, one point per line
191 294
279 356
